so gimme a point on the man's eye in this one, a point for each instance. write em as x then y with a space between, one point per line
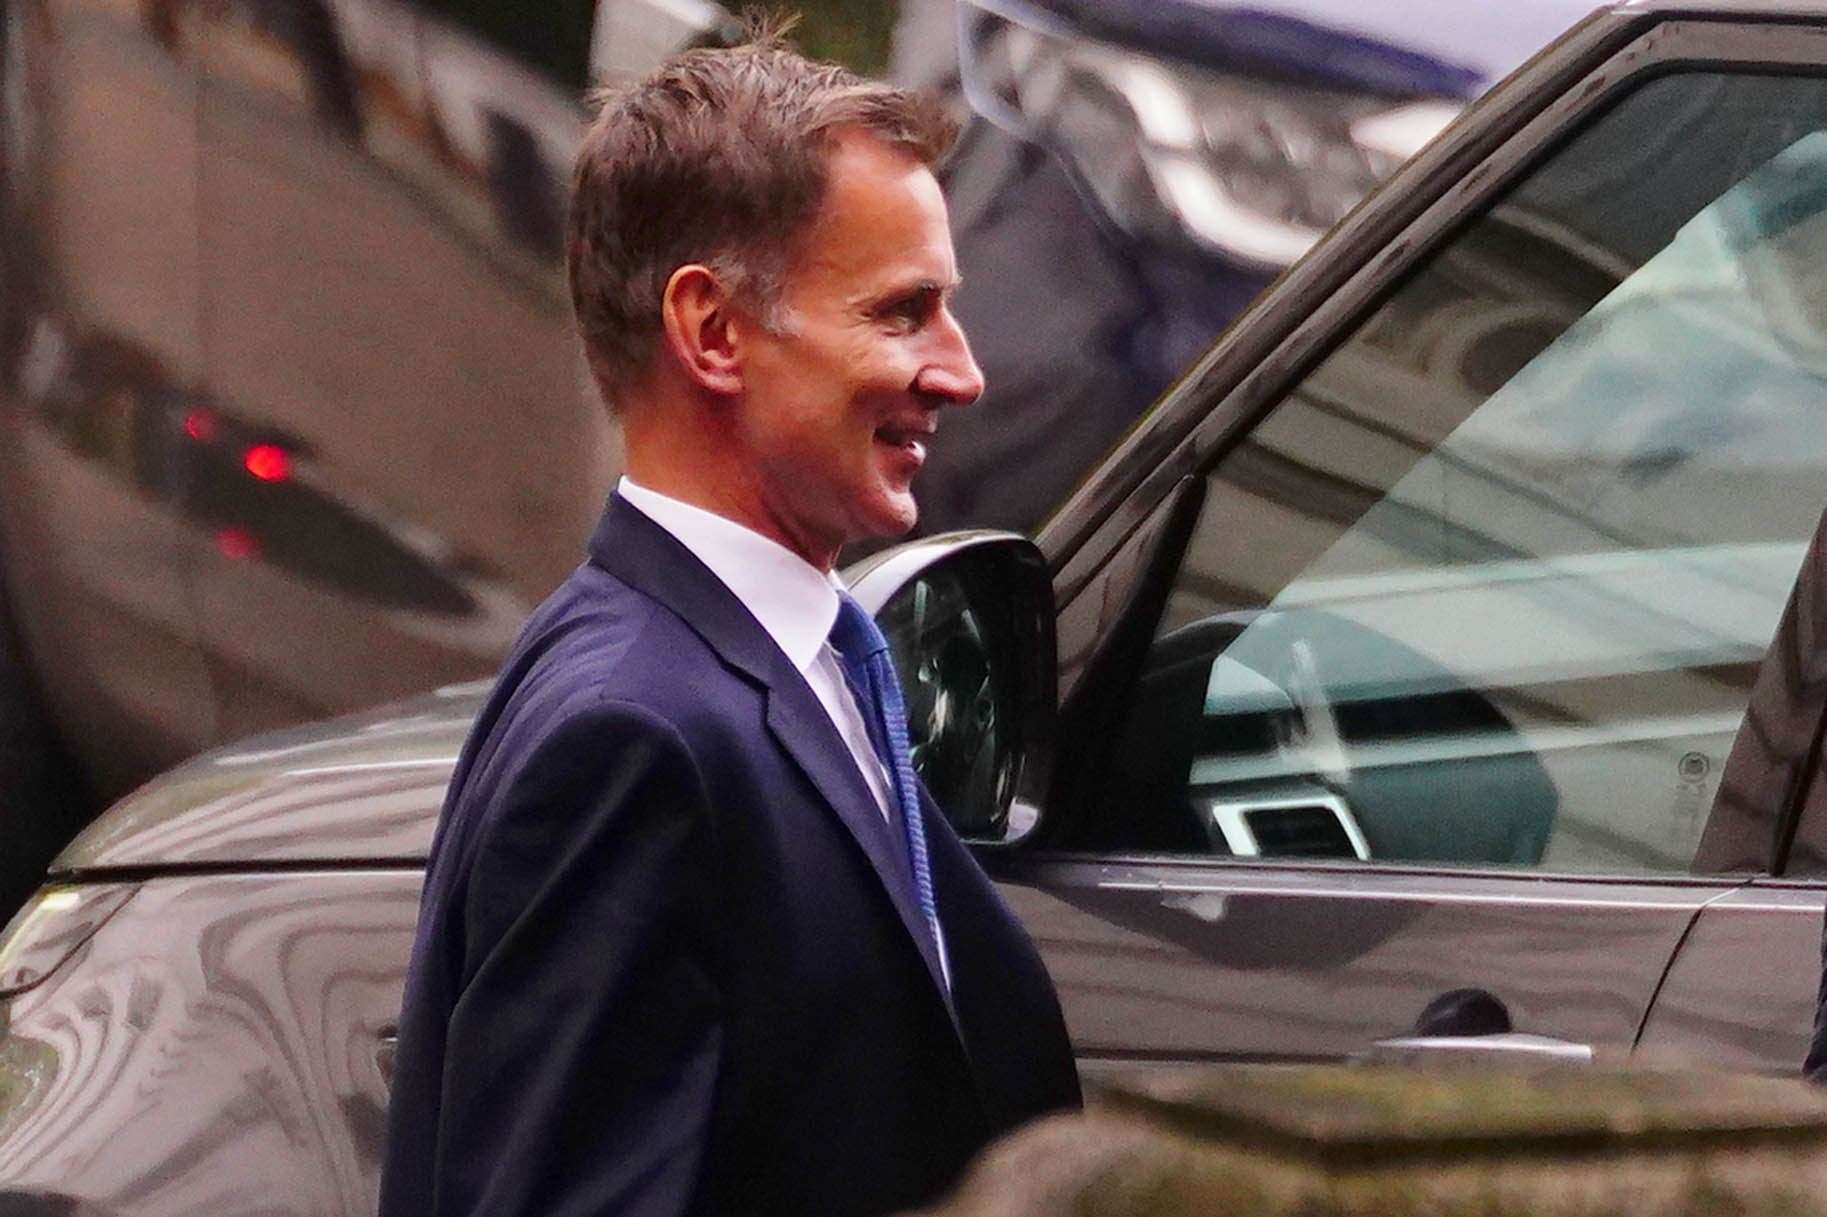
911 312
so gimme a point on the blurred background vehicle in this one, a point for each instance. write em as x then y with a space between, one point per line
291 417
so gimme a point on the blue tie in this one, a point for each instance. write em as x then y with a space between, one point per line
870 672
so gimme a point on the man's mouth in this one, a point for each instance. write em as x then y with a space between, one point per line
909 438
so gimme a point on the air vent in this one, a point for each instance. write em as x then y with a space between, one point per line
1312 831
1299 820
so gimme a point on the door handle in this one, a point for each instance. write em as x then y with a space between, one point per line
1500 1046
1473 1025
386 1048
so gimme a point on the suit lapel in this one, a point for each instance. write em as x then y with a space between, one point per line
651 560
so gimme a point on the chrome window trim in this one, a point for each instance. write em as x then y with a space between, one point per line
1196 873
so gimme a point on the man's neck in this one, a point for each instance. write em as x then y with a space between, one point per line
728 493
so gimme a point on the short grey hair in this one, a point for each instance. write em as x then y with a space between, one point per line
717 158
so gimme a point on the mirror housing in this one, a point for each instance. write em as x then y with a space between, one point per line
969 621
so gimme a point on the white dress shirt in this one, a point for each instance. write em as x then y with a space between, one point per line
796 603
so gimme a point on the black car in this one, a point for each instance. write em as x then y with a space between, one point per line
1385 691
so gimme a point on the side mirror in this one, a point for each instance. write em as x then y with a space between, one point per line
969 619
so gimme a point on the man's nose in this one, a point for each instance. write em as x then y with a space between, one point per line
951 374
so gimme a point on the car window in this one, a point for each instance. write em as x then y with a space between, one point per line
1491 585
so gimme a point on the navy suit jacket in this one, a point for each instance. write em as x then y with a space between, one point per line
666 962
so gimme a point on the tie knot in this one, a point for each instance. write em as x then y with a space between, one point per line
854 633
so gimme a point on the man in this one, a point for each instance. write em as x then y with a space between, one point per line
680 951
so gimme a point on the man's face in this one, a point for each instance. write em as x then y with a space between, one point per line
837 408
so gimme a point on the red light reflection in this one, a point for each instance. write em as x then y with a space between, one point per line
268 462
200 425
237 543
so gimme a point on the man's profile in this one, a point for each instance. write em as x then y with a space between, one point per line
693 939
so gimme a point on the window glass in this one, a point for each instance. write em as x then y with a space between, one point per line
1491 586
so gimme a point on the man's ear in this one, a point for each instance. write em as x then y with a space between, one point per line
697 319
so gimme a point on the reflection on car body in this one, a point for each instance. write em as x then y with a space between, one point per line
1404 655
272 266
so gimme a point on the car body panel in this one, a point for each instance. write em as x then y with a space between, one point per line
232 1038
1742 994
1165 960
372 280
93 577
365 788
327 233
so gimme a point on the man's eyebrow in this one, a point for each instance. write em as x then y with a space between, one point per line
922 287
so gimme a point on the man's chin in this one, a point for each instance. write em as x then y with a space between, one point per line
894 516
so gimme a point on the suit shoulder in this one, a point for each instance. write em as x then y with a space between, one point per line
597 648
570 712
596 640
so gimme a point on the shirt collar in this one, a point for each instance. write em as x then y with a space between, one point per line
794 601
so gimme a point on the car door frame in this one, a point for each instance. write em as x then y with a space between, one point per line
1113 926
